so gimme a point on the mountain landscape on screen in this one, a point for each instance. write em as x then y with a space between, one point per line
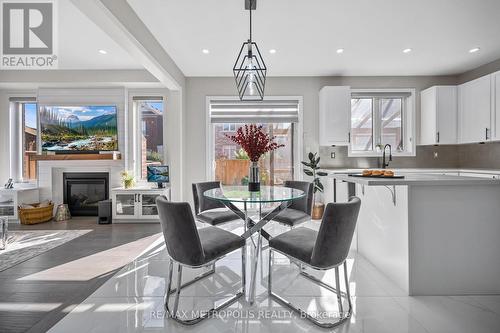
82 128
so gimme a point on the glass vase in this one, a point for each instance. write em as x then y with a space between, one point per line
254 177
318 206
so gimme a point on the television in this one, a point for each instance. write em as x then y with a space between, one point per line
158 174
73 129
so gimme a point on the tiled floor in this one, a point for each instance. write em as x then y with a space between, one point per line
37 293
132 301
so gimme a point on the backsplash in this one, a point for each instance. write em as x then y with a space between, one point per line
486 156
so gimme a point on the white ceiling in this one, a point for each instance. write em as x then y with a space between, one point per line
80 41
307 33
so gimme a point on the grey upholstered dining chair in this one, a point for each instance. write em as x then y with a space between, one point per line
321 250
208 210
300 210
189 247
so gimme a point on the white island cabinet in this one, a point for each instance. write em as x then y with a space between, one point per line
431 234
136 205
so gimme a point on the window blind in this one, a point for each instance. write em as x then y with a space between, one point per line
270 111
22 99
147 98
396 94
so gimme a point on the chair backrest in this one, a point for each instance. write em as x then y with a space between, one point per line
335 233
304 204
201 203
179 229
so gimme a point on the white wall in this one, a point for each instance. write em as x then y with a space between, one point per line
4 137
197 88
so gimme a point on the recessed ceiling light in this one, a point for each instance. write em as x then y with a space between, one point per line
474 50
272 51
103 52
205 51
339 51
408 50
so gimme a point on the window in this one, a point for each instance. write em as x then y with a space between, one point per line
30 139
229 163
229 128
150 145
381 118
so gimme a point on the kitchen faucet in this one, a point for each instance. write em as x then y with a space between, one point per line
384 162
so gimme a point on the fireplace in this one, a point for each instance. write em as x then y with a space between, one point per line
84 190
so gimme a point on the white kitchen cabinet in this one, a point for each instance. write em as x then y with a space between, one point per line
439 115
328 193
334 115
136 204
475 110
495 83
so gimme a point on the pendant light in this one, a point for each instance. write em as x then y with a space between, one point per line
249 69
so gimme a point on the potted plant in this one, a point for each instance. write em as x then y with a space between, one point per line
127 179
312 169
255 142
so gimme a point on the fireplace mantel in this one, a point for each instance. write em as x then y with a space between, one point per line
76 157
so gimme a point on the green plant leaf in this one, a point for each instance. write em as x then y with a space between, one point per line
311 157
320 186
308 172
317 160
316 188
306 164
322 173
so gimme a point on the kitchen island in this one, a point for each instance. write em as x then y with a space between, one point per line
431 234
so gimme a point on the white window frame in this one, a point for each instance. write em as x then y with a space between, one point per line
16 137
136 129
408 125
297 135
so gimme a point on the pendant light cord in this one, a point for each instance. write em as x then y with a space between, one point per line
251 2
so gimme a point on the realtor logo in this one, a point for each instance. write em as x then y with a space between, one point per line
28 35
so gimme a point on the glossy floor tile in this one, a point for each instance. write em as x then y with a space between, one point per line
132 300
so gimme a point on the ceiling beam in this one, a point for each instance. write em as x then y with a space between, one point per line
78 76
121 23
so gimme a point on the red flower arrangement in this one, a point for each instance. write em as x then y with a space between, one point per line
254 141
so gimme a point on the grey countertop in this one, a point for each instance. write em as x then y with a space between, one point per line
418 179
332 171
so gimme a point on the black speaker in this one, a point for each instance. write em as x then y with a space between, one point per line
104 212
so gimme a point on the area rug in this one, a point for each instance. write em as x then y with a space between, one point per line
26 244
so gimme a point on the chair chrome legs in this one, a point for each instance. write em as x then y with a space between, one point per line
270 270
174 314
339 296
244 269
343 317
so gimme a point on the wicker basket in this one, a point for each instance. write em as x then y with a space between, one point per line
36 215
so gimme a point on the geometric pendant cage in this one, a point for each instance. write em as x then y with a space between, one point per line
249 69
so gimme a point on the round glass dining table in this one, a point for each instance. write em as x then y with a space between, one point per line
234 196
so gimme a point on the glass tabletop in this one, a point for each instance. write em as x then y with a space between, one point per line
266 194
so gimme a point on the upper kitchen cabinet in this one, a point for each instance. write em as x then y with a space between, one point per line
439 115
475 110
495 82
334 115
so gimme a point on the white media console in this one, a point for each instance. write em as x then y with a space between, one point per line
137 204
